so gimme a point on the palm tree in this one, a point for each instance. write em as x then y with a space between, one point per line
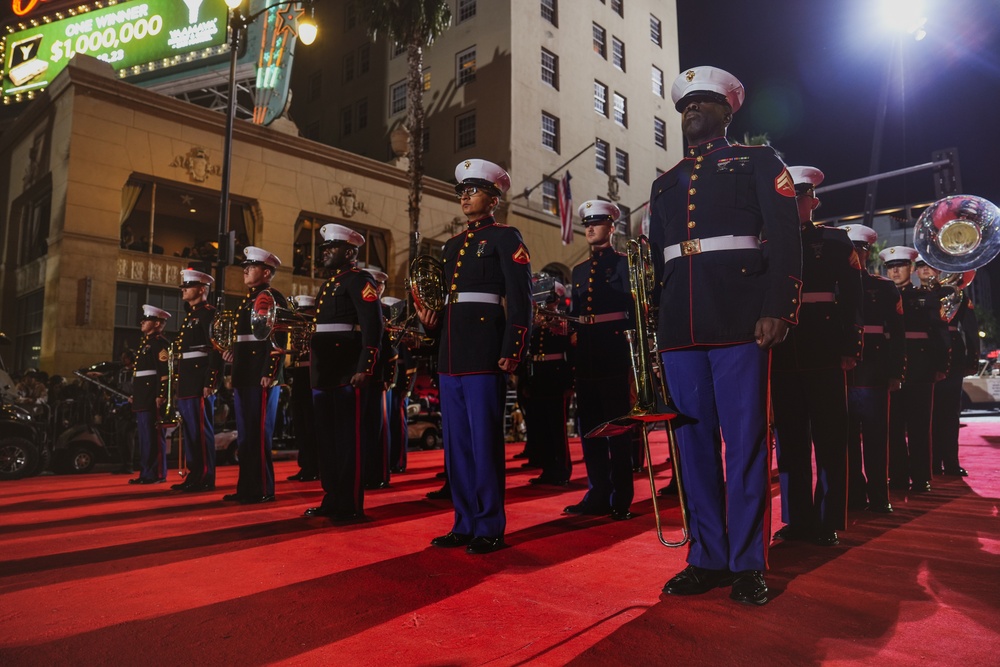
414 24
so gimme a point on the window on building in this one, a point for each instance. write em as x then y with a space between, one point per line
657 81
600 41
465 130
465 66
655 31
397 97
550 198
659 132
618 7
621 165
348 67
550 11
28 344
364 58
397 50
550 131
601 98
621 110
550 68
33 210
346 118
618 53
601 149
315 86
466 10
361 114
350 15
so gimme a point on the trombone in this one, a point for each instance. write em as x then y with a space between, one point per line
642 346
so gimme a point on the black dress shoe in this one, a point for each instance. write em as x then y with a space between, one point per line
921 487
669 489
530 464
318 511
826 538
231 497
371 486
542 479
297 477
792 532
523 454
441 475
956 472
183 485
880 508
452 540
749 587
256 500
485 545
584 508
397 471
694 580
621 515
443 493
201 486
138 480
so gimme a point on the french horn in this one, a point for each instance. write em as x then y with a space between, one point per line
426 283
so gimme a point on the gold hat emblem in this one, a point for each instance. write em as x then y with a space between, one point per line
689 75
588 204
892 250
468 164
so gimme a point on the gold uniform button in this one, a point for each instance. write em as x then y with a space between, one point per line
697 166
690 207
462 251
469 236
692 191
694 177
701 158
691 224
590 298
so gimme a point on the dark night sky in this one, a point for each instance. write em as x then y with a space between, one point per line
813 70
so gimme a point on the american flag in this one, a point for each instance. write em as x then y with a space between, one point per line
565 209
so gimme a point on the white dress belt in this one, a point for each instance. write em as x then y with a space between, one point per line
697 246
558 356
874 329
248 338
917 335
472 297
193 355
603 317
334 328
819 297
144 374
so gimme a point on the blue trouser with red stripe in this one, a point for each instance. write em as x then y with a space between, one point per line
472 419
256 409
198 429
724 392
339 427
152 446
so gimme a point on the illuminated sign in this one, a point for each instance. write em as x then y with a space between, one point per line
124 35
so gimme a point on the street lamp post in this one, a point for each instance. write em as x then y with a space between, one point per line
240 19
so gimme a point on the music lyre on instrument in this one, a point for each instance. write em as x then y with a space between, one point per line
642 345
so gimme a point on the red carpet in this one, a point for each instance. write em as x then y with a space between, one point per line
95 572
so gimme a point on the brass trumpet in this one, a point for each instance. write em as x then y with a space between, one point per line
542 314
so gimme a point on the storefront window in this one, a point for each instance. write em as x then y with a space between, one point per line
28 345
32 211
165 219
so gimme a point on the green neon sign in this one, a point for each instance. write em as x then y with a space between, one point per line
124 35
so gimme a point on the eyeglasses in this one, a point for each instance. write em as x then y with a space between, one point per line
470 192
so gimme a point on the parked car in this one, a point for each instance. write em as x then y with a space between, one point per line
982 390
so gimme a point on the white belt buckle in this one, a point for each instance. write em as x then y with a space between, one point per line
690 247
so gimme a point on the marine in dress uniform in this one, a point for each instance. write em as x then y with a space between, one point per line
303 416
545 383
872 382
963 329
725 220
603 300
198 367
808 383
148 395
344 351
927 351
256 375
402 376
485 267
375 442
